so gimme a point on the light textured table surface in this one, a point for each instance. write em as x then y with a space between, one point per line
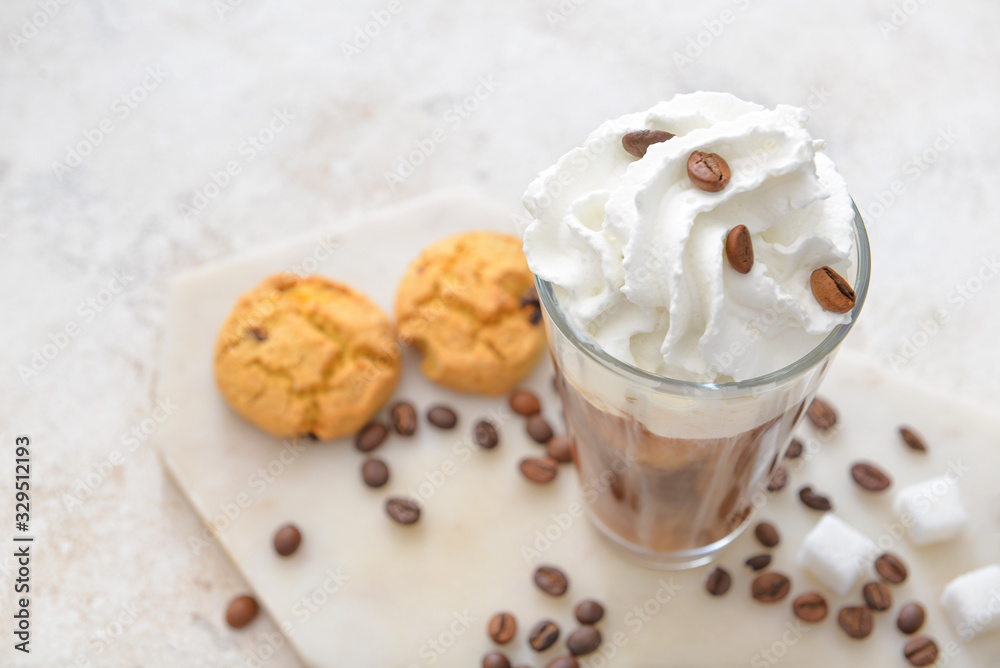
120 119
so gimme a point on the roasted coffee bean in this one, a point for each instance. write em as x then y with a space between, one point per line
891 568
375 473
583 641
921 651
911 618
870 477
912 439
778 480
814 500
563 662
877 596
404 418
543 635
638 142
496 660
857 621
539 469
770 587
287 539
538 429
739 249
708 171
371 436
486 435
442 417
767 534
525 403
560 448
794 450
402 510
758 562
822 414
831 290
810 607
589 612
241 611
718 581
502 628
551 580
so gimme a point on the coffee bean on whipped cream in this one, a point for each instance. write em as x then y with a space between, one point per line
822 414
375 473
442 417
551 580
813 500
404 418
486 435
539 429
371 436
242 610
870 477
539 469
543 635
287 539
912 439
831 290
525 403
778 480
405 511
708 171
718 581
638 142
560 448
589 612
496 660
502 628
758 562
739 249
857 621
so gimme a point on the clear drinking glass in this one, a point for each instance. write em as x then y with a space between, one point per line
668 467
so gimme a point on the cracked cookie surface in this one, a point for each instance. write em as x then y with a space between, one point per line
467 303
306 356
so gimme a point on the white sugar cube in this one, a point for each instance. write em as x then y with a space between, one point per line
836 553
932 511
972 601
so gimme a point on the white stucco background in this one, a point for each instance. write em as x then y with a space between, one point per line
904 92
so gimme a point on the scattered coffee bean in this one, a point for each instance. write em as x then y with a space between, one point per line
912 439
891 568
831 290
486 435
543 635
814 500
551 580
758 562
778 480
857 621
404 418
371 436
822 414
718 581
767 534
877 596
583 641
921 651
770 587
402 510
794 450
589 612
870 477
563 662
560 448
911 618
496 660
257 333
287 539
539 469
638 142
810 607
442 417
525 403
375 473
502 628
708 171
538 429
739 249
241 611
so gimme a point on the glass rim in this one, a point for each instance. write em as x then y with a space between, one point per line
801 365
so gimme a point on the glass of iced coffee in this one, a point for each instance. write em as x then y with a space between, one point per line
698 265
